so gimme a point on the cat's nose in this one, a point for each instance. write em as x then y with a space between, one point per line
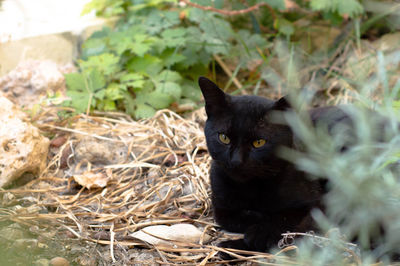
236 160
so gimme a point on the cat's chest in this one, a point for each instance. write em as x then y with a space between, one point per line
289 190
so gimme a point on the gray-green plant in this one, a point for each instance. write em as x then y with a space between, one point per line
364 181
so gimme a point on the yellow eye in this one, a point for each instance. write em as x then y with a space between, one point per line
224 139
259 143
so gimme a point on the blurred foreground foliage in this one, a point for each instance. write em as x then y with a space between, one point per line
363 196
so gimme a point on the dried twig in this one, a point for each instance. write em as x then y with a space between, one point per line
228 71
231 12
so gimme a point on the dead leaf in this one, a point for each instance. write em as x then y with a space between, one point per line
184 233
92 180
58 141
289 4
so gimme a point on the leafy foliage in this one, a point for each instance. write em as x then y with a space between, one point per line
153 56
151 59
349 7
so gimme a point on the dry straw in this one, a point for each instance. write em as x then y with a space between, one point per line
161 177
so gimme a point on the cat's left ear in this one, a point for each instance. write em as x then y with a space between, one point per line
282 104
216 100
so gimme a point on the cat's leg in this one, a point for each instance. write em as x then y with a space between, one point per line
266 235
263 236
258 237
236 220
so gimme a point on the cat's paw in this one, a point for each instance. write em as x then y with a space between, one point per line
235 244
259 237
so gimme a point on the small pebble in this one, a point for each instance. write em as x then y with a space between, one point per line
41 262
59 261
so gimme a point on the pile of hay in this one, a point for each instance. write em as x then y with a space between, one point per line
109 176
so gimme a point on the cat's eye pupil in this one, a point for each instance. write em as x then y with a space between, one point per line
224 138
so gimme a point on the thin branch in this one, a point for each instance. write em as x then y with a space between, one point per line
227 71
230 12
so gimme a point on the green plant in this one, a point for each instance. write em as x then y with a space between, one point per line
343 7
158 48
151 59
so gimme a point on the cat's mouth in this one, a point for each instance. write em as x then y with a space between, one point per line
246 173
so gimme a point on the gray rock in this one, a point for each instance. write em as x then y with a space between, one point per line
22 148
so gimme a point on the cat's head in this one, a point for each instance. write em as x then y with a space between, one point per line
240 136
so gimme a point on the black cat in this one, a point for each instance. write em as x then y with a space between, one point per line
254 191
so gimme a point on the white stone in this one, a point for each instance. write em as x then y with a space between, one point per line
22 148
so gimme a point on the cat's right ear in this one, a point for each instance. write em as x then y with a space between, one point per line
282 104
215 98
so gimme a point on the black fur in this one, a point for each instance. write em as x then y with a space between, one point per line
254 191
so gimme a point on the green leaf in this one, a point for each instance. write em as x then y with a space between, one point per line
276 4
79 100
101 34
158 20
95 79
216 33
168 75
106 8
107 105
350 7
81 88
215 28
144 111
197 15
247 46
94 46
195 71
191 90
114 92
194 57
75 81
334 17
120 42
174 37
192 36
146 65
129 104
284 26
327 5
217 46
170 57
159 100
106 63
170 88
141 45
88 81
133 80
100 94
